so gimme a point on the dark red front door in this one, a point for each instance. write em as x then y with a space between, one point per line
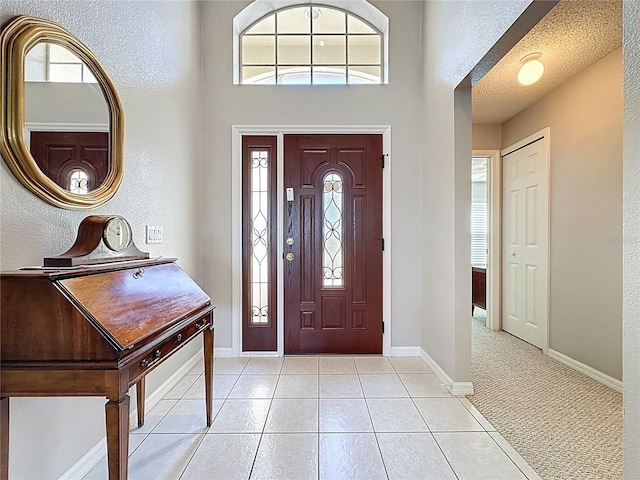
58 153
333 243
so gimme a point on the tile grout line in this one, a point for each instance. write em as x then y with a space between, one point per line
264 425
445 457
509 456
474 417
202 437
203 434
375 433
430 432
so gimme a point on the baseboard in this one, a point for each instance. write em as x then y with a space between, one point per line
224 352
83 466
462 389
95 455
405 352
455 388
597 375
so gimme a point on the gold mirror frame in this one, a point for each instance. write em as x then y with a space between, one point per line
16 39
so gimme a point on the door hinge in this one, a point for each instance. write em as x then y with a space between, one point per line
384 155
382 327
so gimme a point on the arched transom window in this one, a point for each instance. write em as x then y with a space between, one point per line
311 44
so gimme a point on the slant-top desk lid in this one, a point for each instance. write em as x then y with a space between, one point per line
94 313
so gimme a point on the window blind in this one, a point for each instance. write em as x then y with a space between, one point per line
479 234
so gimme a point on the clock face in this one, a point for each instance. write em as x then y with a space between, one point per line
117 234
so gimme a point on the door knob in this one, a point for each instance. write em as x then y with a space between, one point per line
289 256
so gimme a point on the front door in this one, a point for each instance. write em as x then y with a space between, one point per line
333 243
58 154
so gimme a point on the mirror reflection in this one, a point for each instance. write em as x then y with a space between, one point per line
66 116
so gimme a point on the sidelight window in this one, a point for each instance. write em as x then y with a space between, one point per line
259 237
259 261
332 231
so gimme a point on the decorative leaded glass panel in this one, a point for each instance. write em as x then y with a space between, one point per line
332 231
79 182
259 237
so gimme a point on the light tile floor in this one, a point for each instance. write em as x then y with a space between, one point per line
318 418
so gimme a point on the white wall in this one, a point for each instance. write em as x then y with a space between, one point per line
153 58
486 137
585 302
631 234
47 102
396 104
450 56
455 37
151 51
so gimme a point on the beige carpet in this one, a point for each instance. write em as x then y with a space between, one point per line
563 423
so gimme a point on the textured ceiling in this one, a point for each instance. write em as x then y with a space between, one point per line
572 36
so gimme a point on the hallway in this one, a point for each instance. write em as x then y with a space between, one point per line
564 423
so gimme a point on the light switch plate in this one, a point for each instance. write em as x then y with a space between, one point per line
155 234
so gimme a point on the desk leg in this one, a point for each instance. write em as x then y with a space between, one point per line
4 440
118 437
140 396
208 373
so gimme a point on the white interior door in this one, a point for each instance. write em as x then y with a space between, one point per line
526 243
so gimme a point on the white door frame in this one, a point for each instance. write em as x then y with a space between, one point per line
494 229
237 131
545 136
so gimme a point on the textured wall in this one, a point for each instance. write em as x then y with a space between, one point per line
486 137
396 104
151 51
446 284
585 308
631 235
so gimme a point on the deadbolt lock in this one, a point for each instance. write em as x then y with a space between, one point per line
290 241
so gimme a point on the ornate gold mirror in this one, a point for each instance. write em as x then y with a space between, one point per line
61 125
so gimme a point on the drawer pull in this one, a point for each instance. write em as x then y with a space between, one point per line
156 358
201 325
138 273
179 337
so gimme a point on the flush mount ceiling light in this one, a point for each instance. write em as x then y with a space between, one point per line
531 69
312 13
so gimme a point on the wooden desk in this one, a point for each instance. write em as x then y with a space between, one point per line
96 332
478 288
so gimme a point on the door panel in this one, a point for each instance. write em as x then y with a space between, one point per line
58 153
525 243
333 282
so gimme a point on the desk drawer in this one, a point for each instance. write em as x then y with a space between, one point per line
151 358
